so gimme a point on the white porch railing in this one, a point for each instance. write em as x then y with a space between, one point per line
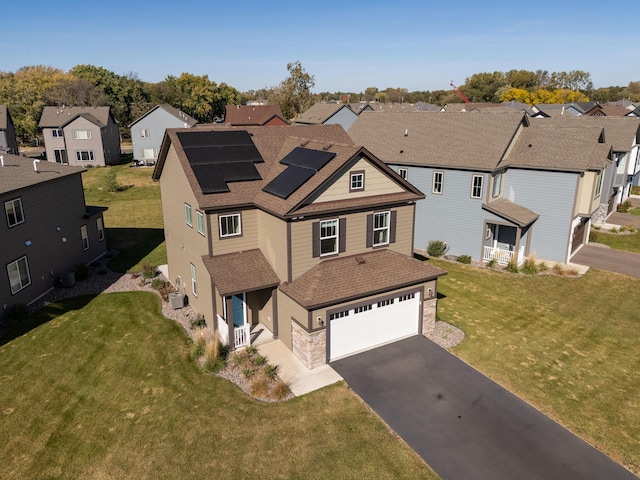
243 336
503 257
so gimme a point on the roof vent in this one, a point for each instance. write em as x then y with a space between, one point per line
406 132
2 160
360 260
327 146
35 165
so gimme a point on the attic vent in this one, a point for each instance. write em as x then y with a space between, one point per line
327 146
360 260
304 143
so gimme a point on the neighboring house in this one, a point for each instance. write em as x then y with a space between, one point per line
147 131
606 110
46 228
298 229
8 142
468 107
497 187
426 107
623 134
360 107
254 115
327 114
80 135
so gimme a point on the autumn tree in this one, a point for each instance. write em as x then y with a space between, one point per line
482 87
294 92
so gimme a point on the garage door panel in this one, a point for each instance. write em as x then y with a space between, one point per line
362 331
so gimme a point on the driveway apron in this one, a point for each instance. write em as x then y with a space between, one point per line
608 259
464 425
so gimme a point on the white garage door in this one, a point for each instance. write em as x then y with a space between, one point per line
369 326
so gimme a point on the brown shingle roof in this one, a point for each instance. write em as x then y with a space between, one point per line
245 115
274 143
53 117
570 148
456 140
319 113
18 172
246 271
513 212
343 279
179 114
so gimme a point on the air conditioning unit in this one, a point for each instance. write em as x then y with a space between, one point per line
176 300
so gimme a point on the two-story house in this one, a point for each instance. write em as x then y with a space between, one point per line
253 115
8 141
147 131
497 187
80 135
46 228
327 113
298 229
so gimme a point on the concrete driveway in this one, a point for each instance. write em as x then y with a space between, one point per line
608 259
464 425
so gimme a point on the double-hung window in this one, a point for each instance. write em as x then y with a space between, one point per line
357 181
438 180
57 133
85 237
599 180
328 237
13 210
194 282
144 133
85 156
60 155
230 225
497 185
82 135
19 277
188 215
403 172
381 223
476 186
200 222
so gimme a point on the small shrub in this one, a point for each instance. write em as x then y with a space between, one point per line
558 269
436 248
529 266
271 371
260 387
248 372
198 322
81 271
148 270
624 207
466 259
512 267
214 361
280 390
596 227
492 263
543 267
259 360
110 183
613 230
622 229
250 350
197 350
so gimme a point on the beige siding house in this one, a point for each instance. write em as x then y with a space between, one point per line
296 229
83 136
45 230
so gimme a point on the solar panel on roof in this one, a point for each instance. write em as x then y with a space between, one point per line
223 154
194 138
307 158
289 181
209 180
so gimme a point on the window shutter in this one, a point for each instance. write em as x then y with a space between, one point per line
342 235
369 230
315 233
392 226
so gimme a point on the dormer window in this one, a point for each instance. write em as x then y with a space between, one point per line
357 181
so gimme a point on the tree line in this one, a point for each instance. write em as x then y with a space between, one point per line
28 90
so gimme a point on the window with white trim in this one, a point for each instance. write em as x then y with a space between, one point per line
328 237
57 133
438 181
357 181
381 224
148 153
18 272
60 155
85 237
85 156
194 282
100 227
144 133
200 222
476 186
599 180
82 135
187 214
230 225
14 212
497 185
403 172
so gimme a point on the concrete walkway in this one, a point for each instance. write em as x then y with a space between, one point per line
300 379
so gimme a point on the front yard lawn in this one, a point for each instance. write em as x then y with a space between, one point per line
569 346
107 390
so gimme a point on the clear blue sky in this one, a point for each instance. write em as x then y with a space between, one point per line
346 45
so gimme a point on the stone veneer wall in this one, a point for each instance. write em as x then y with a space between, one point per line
429 316
309 347
600 215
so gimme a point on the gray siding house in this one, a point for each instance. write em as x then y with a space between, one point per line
327 114
496 187
80 135
147 131
45 230
8 142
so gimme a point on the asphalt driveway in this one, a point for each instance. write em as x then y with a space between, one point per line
464 425
608 259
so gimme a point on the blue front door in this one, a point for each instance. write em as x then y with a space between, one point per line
237 307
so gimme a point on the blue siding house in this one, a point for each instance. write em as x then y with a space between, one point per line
497 186
147 131
327 114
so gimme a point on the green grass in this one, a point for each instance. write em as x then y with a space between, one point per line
104 388
133 222
627 241
569 346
